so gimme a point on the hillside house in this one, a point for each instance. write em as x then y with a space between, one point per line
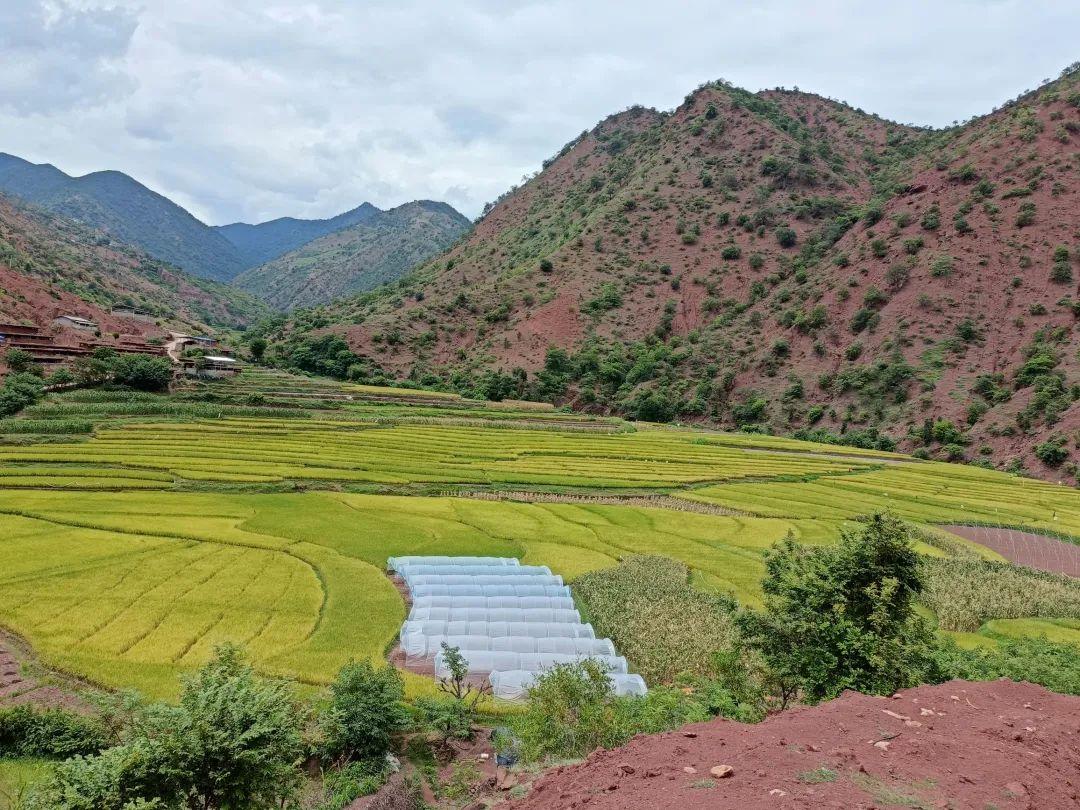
75 322
134 314
214 366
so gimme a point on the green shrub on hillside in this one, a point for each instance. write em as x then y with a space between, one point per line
365 710
1035 660
19 391
233 741
28 731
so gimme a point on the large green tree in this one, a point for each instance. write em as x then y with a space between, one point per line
843 617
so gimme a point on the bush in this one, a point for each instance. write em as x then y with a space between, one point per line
913 245
342 786
233 741
941 266
450 718
27 731
142 372
609 297
786 237
20 390
570 712
967 331
843 617
1052 452
365 710
864 318
18 360
731 252
1026 215
1061 273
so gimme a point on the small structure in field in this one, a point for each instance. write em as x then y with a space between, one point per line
210 365
134 313
75 322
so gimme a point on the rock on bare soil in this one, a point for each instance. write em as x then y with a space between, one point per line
957 745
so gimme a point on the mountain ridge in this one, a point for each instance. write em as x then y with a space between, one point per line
261 242
119 205
380 248
51 266
773 260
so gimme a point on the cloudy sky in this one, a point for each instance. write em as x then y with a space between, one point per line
253 109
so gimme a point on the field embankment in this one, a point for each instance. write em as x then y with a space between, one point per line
998 744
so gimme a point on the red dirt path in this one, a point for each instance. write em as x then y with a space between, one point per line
956 745
1024 548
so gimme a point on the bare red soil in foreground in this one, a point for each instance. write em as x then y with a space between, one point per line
1024 548
956 745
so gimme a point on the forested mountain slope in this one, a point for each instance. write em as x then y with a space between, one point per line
128 211
774 259
260 243
52 266
382 247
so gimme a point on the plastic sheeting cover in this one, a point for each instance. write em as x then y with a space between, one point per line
393 563
559 602
528 615
514 684
509 621
418 580
419 646
482 662
497 629
408 572
490 590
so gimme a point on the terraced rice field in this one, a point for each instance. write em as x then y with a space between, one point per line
127 553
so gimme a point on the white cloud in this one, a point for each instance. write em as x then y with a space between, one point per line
253 109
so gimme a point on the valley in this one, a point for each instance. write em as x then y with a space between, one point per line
758 403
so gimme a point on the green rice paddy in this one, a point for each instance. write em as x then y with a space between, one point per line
126 554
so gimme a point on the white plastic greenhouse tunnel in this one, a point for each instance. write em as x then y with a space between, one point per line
510 622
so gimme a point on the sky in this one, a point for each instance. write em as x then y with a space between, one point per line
253 109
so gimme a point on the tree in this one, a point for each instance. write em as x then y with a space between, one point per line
257 347
19 391
142 372
18 359
843 617
365 710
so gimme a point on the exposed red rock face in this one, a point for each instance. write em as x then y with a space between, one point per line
998 744
958 255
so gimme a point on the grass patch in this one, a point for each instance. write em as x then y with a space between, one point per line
818 776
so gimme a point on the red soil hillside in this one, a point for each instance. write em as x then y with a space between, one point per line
777 259
51 266
958 745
